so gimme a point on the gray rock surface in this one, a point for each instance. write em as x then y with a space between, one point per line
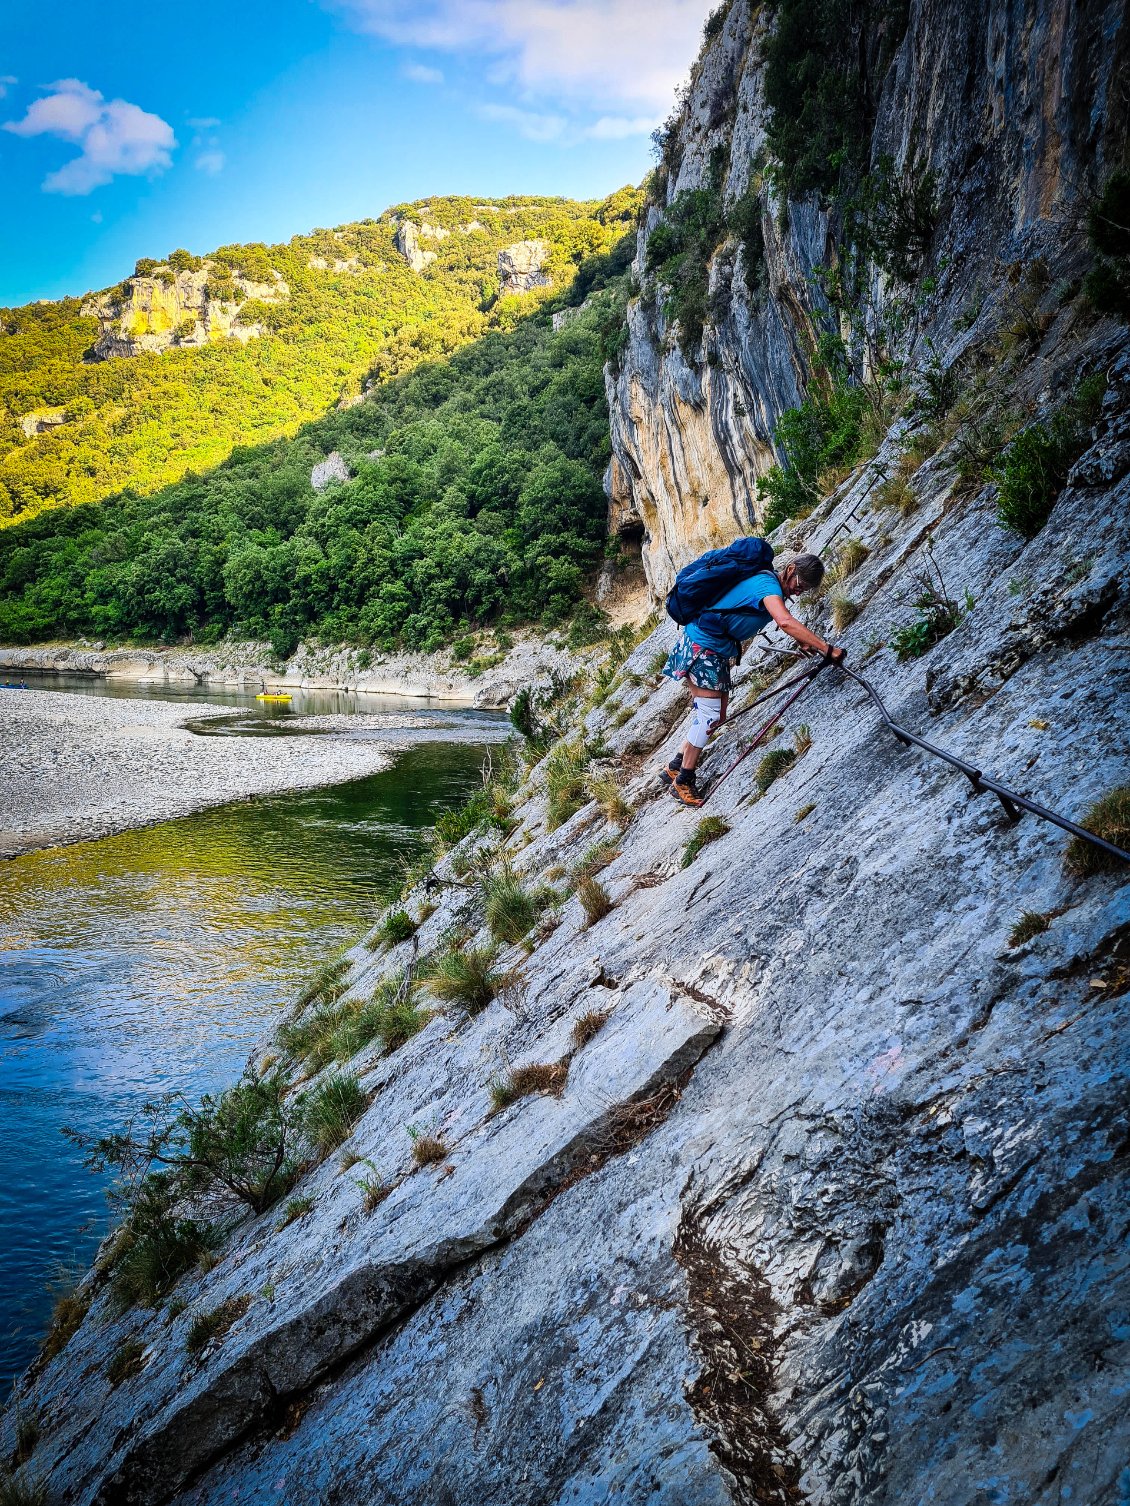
407 242
520 267
978 96
333 468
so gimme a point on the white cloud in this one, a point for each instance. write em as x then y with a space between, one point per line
115 136
420 73
527 123
6 80
206 144
618 127
618 55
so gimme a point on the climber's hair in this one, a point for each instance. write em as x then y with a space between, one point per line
809 569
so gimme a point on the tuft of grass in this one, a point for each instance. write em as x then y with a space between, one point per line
595 899
610 797
295 1208
804 813
565 770
510 907
397 926
852 554
465 977
897 493
374 1188
66 1318
596 857
656 662
340 1032
331 1110
589 1025
27 1437
125 1362
1108 818
427 1150
520 1082
15 1492
1030 924
844 611
802 738
1034 469
773 765
214 1323
708 830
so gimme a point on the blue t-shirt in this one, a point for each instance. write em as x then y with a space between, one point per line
740 613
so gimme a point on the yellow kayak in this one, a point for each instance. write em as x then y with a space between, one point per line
272 695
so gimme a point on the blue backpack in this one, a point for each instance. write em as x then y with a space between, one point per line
700 584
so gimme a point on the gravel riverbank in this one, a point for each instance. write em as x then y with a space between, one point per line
77 767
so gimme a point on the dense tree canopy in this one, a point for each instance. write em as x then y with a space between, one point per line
476 497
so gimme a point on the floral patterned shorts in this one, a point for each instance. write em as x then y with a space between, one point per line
699 666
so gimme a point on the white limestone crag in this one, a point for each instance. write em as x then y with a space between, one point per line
520 267
154 312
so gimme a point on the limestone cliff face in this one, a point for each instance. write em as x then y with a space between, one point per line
159 310
1016 111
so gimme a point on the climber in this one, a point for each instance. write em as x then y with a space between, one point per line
703 654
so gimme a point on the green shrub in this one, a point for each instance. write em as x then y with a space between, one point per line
1108 818
510 907
156 1245
296 1207
824 433
453 826
1030 924
708 830
464 977
775 763
27 1492
1035 465
126 1361
214 1323
330 1111
326 986
397 926
565 770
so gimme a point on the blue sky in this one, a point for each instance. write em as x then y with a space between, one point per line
130 130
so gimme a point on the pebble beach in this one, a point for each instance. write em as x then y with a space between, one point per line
76 767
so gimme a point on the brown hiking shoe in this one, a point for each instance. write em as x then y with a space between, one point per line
686 790
673 769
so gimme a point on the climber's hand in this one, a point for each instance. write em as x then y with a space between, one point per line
835 654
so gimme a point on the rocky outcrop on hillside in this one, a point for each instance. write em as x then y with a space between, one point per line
1016 114
165 308
520 267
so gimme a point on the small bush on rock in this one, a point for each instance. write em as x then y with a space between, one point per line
464 977
427 1150
708 830
1030 924
1035 465
510 907
773 765
589 1025
595 900
1108 818
214 1323
125 1362
397 926
331 1110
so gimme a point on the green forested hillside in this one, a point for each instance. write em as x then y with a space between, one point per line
476 495
144 421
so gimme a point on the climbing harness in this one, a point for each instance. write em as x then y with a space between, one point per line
1013 804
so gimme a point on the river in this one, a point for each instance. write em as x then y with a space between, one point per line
153 960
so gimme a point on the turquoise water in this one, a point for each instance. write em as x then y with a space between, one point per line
153 961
